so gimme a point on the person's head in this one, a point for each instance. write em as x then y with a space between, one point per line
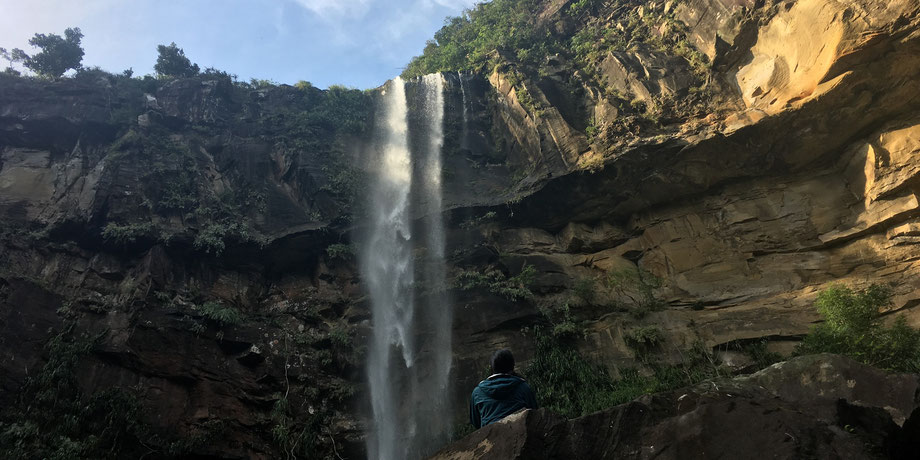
502 362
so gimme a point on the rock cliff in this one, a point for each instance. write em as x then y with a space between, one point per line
198 233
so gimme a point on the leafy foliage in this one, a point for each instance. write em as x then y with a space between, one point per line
58 54
340 251
295 437
478 38
126 234
223 314
490 32
644 339
853 327
585 290
12 56
53 419
563 321
636 288
572 385
514 288
172 62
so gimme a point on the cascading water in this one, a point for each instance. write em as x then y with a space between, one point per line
409 354
388 271
433 406
464 132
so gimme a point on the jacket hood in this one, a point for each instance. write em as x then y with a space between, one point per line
500 385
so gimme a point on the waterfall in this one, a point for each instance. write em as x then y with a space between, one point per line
434 411
463 132
409 352
388 272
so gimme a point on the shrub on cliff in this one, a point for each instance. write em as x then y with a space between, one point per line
172 63
854 327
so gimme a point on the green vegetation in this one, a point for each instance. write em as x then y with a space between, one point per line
585 290
11 57
53 419
637 287
296 438
482 36
853 327
509 30
340 251
644 339
315 130
632 291
172 62
514 288
58 54
525 41
126 234
563 321
570 384
223 314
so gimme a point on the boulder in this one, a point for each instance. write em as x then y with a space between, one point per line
762 416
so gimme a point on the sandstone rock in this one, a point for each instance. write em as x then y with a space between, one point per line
644 75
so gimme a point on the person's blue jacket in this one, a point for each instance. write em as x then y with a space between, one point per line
499 396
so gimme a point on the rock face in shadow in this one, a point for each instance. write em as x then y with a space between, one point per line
809 407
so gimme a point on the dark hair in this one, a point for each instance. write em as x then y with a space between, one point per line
503 362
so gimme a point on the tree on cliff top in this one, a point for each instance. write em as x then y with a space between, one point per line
58 54
172 63
12 56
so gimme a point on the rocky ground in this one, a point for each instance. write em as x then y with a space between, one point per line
820 406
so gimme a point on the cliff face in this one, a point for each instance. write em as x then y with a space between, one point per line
796 172
199 232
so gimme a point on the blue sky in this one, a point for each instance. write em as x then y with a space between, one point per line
358 43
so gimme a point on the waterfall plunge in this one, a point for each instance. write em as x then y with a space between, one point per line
409 355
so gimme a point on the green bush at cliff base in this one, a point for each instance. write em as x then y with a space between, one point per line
853 327
570 384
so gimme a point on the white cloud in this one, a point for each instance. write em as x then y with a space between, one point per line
457 3
337 9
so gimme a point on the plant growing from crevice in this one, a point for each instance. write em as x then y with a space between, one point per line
341 251
563 322
636 290
495 281
643 340
854 327
220 313
126 234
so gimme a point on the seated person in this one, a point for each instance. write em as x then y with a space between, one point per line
500 395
